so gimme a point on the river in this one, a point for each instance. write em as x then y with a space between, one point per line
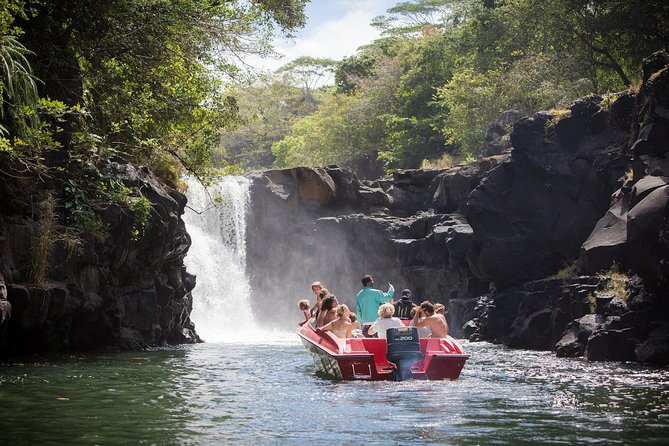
268 393
251 386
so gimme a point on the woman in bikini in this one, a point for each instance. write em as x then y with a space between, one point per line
341 327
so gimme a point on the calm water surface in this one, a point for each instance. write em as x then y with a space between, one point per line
267 393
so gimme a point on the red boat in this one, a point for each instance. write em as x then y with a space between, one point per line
402 356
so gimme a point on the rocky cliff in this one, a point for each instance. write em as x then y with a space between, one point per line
525 247
112 285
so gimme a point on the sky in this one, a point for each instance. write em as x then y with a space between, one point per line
334 29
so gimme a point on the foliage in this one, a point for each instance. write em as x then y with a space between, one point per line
145 76
140 210
43 241
79 213
456 65
617 283
18 88
267 109
446 161
414 17
307 73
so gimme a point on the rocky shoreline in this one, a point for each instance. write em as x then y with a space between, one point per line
521 246
555 240
116 290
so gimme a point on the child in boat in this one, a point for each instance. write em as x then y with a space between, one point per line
304 308
385 321
341 327
316 288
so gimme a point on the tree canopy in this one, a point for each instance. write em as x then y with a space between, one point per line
444 69
136 78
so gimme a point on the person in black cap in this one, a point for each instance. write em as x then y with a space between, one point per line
403 306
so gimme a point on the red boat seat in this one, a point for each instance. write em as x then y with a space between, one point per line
379 348
355 345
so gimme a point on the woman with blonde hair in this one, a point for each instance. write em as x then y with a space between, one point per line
341 327
385 321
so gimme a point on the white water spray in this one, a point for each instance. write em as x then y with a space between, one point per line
216 223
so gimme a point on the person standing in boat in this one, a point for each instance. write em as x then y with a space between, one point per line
385 321
404 306
368 300
436 322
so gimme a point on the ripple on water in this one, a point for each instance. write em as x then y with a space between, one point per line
261 392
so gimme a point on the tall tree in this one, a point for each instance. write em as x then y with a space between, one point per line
308 73
149 72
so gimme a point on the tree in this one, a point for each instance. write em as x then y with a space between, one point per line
148 74
414 17
308 73
267 109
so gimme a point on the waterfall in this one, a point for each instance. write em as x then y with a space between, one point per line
217 226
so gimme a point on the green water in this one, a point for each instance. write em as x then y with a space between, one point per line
267 393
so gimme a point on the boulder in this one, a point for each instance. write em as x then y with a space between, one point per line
645 219
608 240
611 345
575 338
655 349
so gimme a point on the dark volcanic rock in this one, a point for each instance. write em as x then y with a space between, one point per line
531 214
633 232
387 228
655 348
575 338
117 292
611 345
536 314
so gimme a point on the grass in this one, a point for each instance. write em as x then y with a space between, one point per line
43 241
616 287
446 161
558 114
568 272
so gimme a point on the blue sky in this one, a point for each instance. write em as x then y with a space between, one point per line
335 29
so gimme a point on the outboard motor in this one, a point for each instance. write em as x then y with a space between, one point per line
403 350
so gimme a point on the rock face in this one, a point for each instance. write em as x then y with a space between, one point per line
581 188
112 291
633 231
531 214
333 227
590 147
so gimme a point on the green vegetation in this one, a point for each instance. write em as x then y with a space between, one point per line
444 69
87 82
617 284
568 272
132 78
42 241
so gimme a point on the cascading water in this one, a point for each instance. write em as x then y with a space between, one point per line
216 222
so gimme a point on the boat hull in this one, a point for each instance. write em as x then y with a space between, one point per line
365 359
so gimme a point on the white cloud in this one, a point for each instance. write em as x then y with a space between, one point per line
335 37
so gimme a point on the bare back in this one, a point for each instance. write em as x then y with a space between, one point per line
438 325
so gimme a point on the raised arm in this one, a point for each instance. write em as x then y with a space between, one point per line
416 322
391 292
